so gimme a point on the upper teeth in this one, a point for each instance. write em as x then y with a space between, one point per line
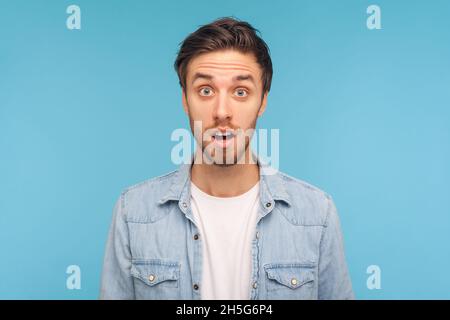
223 134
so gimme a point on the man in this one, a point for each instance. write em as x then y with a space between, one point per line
218 227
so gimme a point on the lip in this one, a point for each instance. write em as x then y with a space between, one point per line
224 130
223 143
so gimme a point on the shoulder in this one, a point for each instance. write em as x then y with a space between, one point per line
149 185
308 204
140 201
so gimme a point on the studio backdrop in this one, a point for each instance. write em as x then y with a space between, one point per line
89 102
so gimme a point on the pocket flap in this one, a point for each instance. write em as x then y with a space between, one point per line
291 275
154 271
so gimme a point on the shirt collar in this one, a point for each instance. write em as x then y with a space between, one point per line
272 186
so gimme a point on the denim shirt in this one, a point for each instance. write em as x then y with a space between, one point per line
154 249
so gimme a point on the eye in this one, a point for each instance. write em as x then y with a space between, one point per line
242 93
206 91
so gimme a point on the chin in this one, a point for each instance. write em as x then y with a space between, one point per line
235 158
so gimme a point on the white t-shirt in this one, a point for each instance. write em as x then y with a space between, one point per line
227 229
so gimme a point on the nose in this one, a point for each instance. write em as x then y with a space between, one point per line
222 110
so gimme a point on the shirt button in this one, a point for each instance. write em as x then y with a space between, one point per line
255 285
257 235
268 204
196 236
294 281
195 286
184 204
151 278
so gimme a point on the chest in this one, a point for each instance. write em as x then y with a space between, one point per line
167 258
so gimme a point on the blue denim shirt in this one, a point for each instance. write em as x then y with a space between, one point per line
154 248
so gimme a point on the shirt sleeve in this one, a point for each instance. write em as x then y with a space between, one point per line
116 280
334 278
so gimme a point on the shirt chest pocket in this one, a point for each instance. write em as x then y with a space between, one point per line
291 281
155 278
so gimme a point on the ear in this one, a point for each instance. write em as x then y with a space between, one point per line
262 108
184 100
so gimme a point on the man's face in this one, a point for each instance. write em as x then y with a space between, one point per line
224 92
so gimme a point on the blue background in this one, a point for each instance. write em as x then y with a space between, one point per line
363 114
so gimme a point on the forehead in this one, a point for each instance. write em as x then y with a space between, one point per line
224 63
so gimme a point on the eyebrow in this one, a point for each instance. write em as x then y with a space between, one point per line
241 77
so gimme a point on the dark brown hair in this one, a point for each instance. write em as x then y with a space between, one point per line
224 33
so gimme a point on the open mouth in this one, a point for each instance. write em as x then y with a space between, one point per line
223 139
223 135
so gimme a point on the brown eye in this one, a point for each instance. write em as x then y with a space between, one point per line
206 91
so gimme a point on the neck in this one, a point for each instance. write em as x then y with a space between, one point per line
225 181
